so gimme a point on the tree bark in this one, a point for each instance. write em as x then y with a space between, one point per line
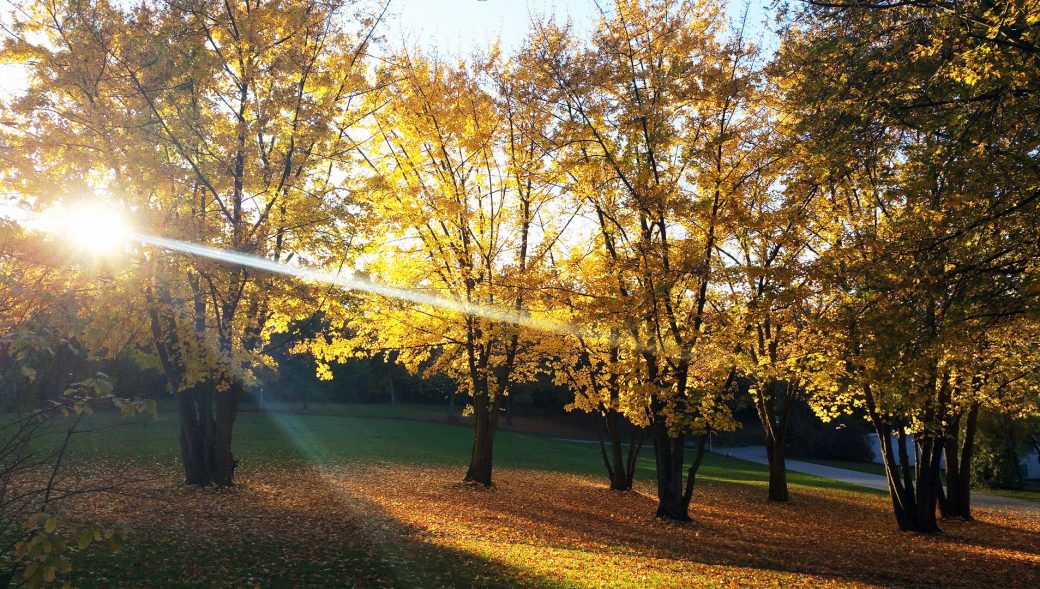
777 467
224 461
620 470
193 443
956 501
485 410
673 501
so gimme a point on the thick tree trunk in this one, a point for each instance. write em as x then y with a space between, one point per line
777 467
963 506
928 486
673 501
224 461
206 434
774 410
193 442
485 423
669 452
914 502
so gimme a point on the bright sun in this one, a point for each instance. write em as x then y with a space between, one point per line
97 228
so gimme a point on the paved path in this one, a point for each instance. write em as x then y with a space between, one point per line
872 481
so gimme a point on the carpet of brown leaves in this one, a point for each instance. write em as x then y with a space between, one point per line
414 526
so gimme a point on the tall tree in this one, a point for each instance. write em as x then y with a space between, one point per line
456 183
652 106
921 123
225 134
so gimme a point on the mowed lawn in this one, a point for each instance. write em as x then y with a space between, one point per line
368 496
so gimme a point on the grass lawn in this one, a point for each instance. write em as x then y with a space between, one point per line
867 467
334 434
368 496
1030 491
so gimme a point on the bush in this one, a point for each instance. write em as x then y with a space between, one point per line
995 464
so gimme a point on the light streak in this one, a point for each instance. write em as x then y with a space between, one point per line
356 283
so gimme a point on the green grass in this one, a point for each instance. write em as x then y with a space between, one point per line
335 434
1030 491
867 467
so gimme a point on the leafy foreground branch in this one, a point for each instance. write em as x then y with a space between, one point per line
37 540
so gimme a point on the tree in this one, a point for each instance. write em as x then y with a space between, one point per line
226 134
651 108
456 182
921 129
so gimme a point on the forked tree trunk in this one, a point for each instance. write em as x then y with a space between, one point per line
193 442
673 498
774 412
224 461
913 505
620 471
914 498
207 418
668 452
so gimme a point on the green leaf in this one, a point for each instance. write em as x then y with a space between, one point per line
85 539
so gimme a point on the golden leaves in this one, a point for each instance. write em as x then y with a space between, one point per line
539 528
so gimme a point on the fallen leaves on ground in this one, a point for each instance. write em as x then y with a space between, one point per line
394 525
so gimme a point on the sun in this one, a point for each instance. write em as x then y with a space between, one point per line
97 228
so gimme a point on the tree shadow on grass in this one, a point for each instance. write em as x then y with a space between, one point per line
983 531
830 535
290 528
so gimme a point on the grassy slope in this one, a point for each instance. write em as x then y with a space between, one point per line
330 434
349 551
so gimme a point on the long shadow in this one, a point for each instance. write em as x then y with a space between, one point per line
788 538
993 535
264 535
822 535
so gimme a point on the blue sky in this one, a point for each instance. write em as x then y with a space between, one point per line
459 26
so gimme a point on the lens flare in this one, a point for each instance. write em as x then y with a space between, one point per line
93 227
357 284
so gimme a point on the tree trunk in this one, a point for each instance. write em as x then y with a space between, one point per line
193 442
620 471
206 433
672 503
777 467
390 381
956 502
963 506
914 507
224 461
928 485
485 412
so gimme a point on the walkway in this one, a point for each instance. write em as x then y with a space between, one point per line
757 454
